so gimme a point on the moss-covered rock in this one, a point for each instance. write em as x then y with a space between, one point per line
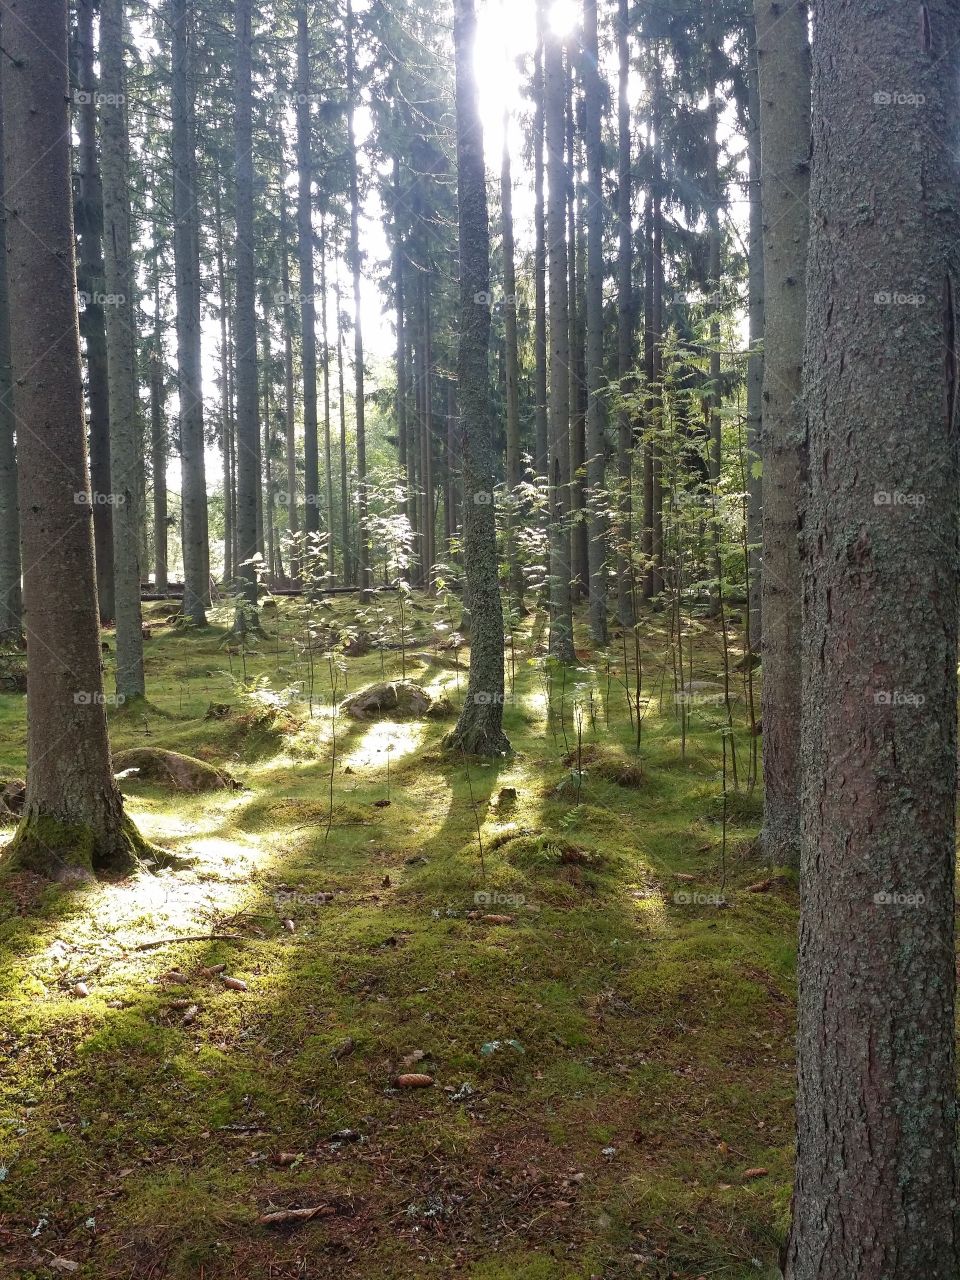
171 769
394 697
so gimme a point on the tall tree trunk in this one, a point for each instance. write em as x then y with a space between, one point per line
308 322
479 730
783 57
327 450
426 435
125 423
269 523
561 612
399 284
876 1184
248 443
73 821
90 282
512 360
346 553
226 397
755 359
541 430
193 485
363 551
595 441
289 414
575 276
11 605
158 437
625 325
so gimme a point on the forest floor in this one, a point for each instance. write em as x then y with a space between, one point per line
611 1052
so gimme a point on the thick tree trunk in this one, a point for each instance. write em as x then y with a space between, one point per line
125 422
226 397
73 822
625 326
755 359
193 485
596 439
876 1184
575 275
158 433
783 57
346 553
11 605
90 282
248 442
561 613
479 730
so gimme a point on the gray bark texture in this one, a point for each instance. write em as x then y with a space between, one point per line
783 60
596 444
308 317
561 610
876 1191
185 250
245 356
11 605
625 324
126 427
73 822
479 730
755 359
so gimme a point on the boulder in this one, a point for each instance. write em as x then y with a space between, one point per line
394 697
170 769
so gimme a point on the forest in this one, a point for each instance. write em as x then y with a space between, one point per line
479 618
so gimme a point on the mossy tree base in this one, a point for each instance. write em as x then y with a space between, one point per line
478 735
71 852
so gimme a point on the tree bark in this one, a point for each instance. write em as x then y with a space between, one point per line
73 821
90 282
541 434
11 605
783 59
876 1174
289 413
193 485
479 730
248 443
625 326
363 551
755 358
125 420
512 361
308 322
596 437
561 612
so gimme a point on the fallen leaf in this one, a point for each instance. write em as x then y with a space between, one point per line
190 1014
284 1216
418 1055
63 1264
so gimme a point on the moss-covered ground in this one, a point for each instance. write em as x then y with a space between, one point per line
611 1054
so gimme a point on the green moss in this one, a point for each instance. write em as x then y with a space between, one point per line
658 1029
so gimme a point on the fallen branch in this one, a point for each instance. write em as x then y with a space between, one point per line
191 937
282 1217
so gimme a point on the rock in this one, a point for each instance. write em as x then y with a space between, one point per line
12 794
170 768
396 697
